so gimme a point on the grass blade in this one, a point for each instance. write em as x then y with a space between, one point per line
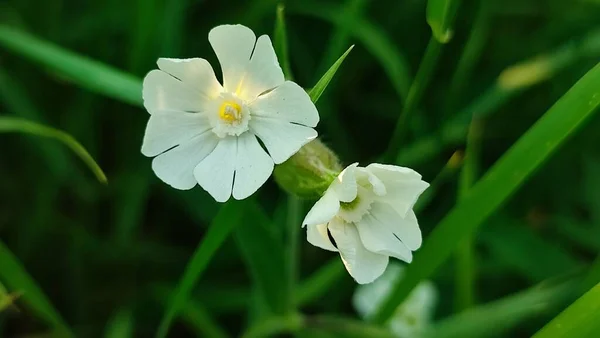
120 325
228 216
493 318
85 72
316 92
16 278
280 42
440 14
578 320
503 179
10 124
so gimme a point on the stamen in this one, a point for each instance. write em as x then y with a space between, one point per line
230 112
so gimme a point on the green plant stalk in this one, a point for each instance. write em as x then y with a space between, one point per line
580 320
345 327
294 221
415 94
280 42
465 255
274 326
569 113
468 59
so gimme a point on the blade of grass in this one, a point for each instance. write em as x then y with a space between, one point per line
15 276
372 37
11 124
578 320
120 325
85 72
493 318
512 81
294 220
280 42
465 255
571 111
440 14
316 91
229 216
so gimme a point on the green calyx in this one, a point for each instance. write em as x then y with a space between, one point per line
309 172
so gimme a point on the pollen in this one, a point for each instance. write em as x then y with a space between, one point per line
230 112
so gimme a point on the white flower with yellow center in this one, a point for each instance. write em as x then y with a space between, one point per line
205 133
367 212
411 318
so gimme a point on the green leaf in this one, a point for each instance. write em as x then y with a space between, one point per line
227 218
85 72
120 325
10 124
264 257
440 14
280 42
316 92
570 112
16 278
372 37
578 320
492 319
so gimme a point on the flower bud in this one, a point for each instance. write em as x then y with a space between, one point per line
308 173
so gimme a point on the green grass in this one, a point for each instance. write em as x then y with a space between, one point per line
516 205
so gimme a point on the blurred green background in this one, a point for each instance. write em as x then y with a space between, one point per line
110 254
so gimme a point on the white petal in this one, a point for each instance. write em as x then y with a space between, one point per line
167 129
263 72
215 172
403 185
405 228
253 166
233 45
282 139
364 176
162 91
379 238
363 265
317 236
324 210
288 102
196 73
345 184
176 166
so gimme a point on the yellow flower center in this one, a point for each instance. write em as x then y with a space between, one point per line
230 112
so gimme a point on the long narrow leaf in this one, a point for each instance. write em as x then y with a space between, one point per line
500 182
228 216
11 124
316 92
85 72
580 320
16 278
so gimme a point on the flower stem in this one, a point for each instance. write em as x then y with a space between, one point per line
415 93
294 210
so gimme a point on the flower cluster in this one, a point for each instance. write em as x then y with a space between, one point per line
228 136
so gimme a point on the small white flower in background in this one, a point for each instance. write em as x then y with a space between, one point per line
205 133
367 211
412 317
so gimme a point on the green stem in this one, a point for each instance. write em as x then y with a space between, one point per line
274 326
346 327
465 254
415 93
293 226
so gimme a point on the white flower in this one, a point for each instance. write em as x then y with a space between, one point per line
412 317
368 214
203 132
